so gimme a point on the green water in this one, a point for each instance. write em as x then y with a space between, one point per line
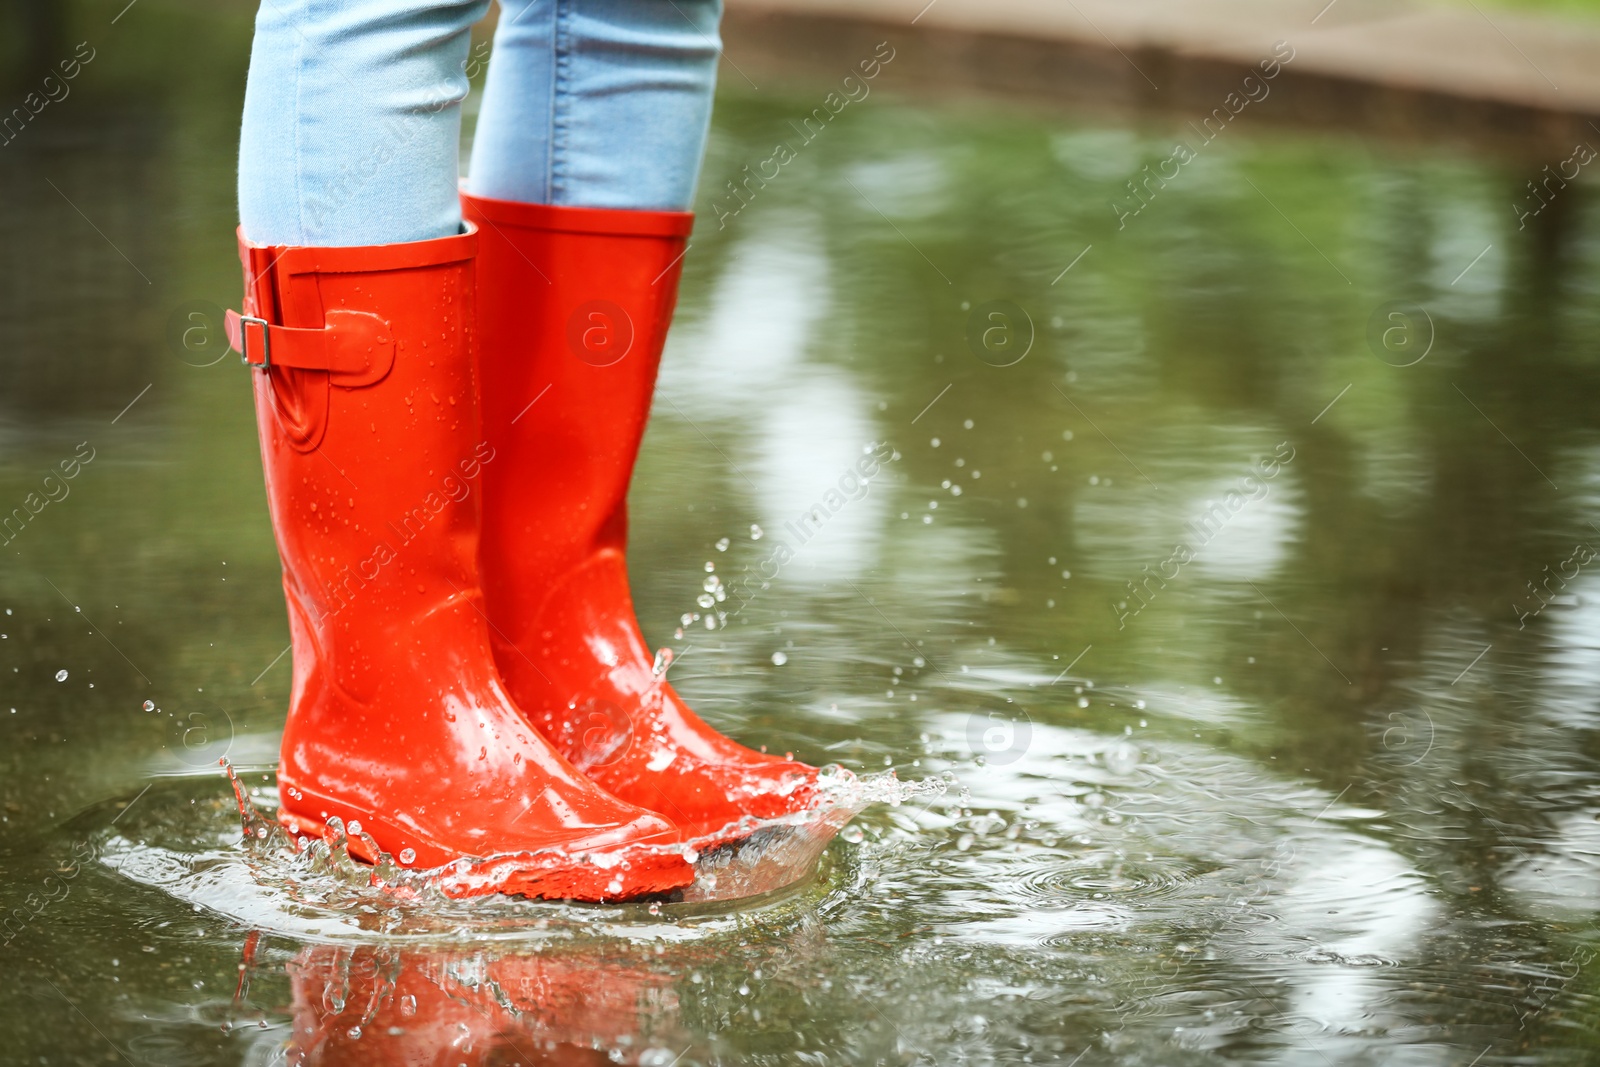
1322 790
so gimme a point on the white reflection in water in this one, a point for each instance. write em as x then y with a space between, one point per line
1099 155
1463 230
910 185
1559 877
811 495
1272 876
1572 660
1236 528
746 358
1251 543
757 327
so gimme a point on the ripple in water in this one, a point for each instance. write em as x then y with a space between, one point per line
229 855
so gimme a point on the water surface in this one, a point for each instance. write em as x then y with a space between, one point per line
1237 576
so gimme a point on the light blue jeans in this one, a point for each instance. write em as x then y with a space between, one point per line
352 112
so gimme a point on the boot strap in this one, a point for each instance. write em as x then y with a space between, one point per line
355 345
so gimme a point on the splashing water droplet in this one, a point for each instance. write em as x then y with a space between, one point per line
853 834
61 676
722 544
780 658
756 532
149 705
706 600
663 661
408 855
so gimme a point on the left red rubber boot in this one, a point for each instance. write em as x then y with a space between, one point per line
573 306
398 719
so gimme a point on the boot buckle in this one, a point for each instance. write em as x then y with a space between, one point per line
245 324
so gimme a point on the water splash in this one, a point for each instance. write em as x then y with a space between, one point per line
316 889
663 661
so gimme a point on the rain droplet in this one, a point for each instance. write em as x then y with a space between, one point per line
61 676
780 658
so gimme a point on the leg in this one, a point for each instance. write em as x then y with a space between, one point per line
352 120
594 105
367 405
597 103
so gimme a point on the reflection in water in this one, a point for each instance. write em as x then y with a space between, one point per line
375 1005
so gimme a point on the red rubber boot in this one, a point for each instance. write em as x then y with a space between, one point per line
573 307
399 725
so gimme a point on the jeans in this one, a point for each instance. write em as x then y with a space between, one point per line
352 113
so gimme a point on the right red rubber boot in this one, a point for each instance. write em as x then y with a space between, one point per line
398 724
